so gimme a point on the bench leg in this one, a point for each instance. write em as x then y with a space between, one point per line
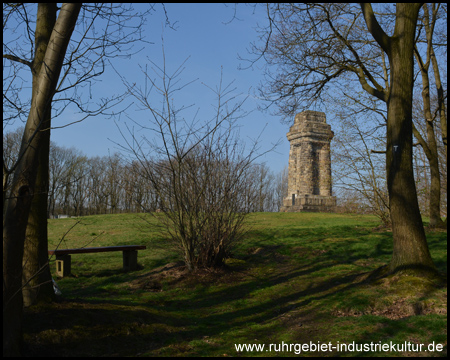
130 260
63 265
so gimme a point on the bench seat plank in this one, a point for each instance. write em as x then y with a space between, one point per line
63 256
96 249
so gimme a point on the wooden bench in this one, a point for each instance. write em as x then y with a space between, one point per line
63 259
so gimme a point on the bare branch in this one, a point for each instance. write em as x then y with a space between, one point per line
375 29
15 58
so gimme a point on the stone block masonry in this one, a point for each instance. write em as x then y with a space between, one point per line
309 177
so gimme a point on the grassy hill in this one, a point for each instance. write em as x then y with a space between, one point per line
298 278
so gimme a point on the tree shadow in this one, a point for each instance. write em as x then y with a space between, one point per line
157 323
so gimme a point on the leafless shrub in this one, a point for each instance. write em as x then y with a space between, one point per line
199 170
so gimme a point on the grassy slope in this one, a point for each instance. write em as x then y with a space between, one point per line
297 278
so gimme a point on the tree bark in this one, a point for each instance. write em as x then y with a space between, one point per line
37 281
23 188
430 146
431 153
410 250
441 98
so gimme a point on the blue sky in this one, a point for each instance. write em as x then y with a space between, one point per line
211 44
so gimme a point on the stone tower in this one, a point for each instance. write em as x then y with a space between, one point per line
309 179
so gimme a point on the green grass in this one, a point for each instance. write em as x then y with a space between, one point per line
296 278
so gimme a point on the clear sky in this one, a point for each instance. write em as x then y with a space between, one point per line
205 34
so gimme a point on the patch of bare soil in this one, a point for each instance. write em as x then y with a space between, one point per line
151 281
176 274
398 309
403 296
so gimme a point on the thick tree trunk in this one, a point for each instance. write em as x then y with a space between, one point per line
23 188
37 281
410 244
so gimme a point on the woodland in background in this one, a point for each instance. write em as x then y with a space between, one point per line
81 185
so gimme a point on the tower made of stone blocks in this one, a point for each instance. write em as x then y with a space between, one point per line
309 179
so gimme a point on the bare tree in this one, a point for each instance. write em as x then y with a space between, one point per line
263 180
87 54
281 187
410 245
315 46
11 148
139 194
365 111
428 142
25 174
85 61
61 161
76 188
198 169
356 167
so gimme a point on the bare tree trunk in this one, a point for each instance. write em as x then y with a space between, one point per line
441 109
37 281
23 188
431 153
441 100
410 243
429 146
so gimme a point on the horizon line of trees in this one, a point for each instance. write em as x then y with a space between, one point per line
80 185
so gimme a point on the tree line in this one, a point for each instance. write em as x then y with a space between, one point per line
80 185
